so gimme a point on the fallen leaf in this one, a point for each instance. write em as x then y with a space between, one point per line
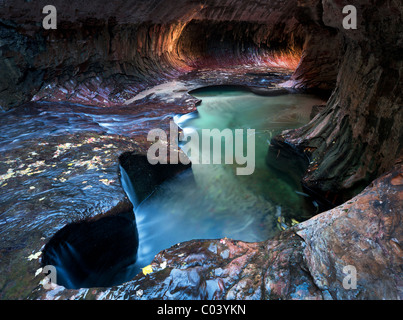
148 269
34 256
294 222
38 272
106 181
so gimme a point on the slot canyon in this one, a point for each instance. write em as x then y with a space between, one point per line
78 191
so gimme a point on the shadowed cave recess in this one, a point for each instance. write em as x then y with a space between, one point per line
78 191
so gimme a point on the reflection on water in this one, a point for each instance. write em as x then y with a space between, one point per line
211 201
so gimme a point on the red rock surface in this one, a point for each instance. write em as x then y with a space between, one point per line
106 53
304 262
359 135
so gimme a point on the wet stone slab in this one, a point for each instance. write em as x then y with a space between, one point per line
304 262
47 184
59 164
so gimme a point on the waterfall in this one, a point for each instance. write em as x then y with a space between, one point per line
128 187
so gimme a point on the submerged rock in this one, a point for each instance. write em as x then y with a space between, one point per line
63 167
305 262
59 164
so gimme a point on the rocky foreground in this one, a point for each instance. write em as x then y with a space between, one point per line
59 161
59 164
304 262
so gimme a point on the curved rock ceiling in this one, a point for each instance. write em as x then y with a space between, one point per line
104 53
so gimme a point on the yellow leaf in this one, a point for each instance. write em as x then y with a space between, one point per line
34 256
147 270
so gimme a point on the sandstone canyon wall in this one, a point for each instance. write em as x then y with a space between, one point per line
359 135
106 52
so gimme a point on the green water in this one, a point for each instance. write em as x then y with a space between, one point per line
212 201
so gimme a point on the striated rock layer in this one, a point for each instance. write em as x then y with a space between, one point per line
104 54
304 262
359 134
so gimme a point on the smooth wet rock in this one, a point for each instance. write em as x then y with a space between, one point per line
358 136
355 140
304 262
96 252
45 185
105 55
316 109
366 233
145 176
60 164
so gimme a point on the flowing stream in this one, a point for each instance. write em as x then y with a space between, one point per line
206 201
211 201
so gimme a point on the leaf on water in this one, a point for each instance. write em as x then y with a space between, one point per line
106 181
38 272
281 223
109 146
34 256
148 269
61 148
